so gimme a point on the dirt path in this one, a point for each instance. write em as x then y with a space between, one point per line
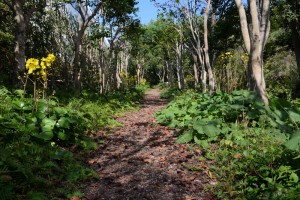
142 161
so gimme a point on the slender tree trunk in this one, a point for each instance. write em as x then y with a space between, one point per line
138 73
211 79
203 76
296 41
196 72
255 38
102 61
180 75
118 71
170 69
259 35
77 67
170 73
20 38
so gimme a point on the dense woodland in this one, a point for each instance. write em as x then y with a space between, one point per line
232 68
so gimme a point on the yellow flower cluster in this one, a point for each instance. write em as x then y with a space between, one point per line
34 66
226 56
245 57
189 77
143 81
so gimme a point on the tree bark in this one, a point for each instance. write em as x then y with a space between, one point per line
179 67
211 79
196 72
255 39
203 76
20 37
244 24
170 73
296 41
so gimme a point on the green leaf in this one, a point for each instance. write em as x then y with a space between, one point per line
202 143
294 142
160 119
185 138
295 117
211 130
63 122
42 106
61 135
19 104
31 123
297 157
60 111
47 122
46 134
294 177
236 106
198 125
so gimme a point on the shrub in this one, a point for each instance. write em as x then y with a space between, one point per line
253 146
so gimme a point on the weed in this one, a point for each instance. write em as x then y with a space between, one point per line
257 144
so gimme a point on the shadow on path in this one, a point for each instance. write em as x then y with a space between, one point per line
142 161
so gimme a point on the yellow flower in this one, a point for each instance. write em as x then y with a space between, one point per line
43 74
33 64
51 58
43 65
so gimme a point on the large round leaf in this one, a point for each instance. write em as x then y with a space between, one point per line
185 138
63 122
46 134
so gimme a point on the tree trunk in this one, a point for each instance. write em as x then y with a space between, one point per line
211 79
203 70
179 67
255 38
296 41
170 73
76 66
20 38
196 72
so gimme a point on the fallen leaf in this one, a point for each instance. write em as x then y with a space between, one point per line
238 156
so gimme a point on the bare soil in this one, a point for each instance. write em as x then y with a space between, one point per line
141 160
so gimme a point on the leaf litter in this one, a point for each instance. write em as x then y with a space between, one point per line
141 160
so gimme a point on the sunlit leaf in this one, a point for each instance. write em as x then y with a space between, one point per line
63 122
294 142
185 138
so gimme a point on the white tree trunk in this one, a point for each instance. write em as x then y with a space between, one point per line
179 67
196 72
255 39
211 79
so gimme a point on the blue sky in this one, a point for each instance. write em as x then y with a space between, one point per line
147 11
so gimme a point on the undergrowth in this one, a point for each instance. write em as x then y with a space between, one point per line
38 137
254 148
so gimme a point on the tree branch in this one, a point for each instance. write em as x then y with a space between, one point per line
244 24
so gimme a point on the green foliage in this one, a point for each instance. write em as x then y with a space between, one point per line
253 163
169 92
253 146
281 82
35 161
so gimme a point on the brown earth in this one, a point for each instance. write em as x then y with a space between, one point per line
141 160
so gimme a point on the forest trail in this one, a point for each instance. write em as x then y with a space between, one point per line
141 160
